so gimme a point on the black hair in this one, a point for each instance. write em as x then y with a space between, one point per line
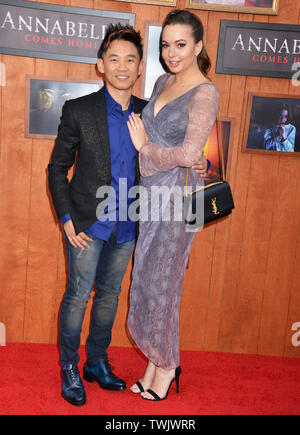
281 109
123 32
180 16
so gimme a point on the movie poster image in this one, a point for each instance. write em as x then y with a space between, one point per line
269 7
272 125
45 98
248 3
153 66
217 150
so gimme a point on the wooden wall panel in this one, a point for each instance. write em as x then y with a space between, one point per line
15 181
294 296
233 253
43 234
242 286
196 290
281 252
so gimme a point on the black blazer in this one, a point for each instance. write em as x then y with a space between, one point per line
82 137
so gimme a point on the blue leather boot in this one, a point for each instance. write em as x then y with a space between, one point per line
101 372
72 386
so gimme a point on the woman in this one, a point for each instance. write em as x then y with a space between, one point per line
175 127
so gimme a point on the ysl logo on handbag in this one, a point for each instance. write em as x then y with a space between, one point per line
214 205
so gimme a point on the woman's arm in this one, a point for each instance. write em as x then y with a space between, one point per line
155 158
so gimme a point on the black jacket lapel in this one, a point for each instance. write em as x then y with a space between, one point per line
102 126
138 105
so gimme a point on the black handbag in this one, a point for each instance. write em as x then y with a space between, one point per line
210 202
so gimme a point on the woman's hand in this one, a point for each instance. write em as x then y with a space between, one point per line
137 131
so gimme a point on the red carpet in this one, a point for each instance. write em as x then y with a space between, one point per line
211 384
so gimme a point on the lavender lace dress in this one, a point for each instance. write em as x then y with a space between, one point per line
177 135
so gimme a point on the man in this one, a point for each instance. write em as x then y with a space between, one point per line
93 131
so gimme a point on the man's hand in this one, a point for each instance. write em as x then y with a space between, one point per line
201 167
78 241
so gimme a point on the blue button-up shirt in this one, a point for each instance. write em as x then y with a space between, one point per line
123 175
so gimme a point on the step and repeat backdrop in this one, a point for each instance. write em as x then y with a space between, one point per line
242 285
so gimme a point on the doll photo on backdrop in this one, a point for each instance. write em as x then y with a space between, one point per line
272 124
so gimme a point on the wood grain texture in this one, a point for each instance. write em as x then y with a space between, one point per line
242 288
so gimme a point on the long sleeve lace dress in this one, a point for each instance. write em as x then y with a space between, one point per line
177 136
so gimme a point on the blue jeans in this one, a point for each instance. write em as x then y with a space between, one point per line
104 264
